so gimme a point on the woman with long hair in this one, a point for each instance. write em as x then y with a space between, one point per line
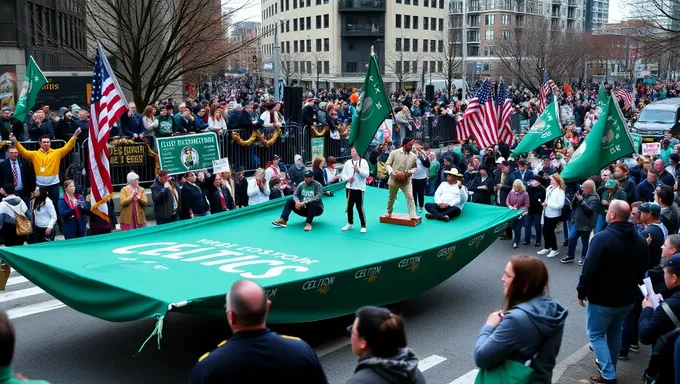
149 121
319 173
552 210
74 210
529 328
44 216
216 122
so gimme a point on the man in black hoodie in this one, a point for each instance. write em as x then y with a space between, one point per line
379 339
616 262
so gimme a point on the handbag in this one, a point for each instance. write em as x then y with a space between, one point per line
509 372
23 224
5 270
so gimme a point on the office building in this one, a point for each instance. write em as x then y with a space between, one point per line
247 58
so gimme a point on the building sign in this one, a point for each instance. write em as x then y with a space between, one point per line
181 154
129 153
8 86
61 91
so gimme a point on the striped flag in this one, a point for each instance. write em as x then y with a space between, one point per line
504 105
108 104
546 86
479 119
626 95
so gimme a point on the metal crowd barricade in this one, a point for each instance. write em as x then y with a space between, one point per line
332 147
443 130
290 143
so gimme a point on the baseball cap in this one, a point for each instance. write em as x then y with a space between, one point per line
500 160
274 157
674 261
610 184
7 109
652 208
309 173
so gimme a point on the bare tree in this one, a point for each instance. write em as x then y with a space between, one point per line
449 59
318 58
153 44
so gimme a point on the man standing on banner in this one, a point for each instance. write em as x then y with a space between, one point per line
355 173
400 165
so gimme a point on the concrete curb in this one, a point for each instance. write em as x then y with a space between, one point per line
572 360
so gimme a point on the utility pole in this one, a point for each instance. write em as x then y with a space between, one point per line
464 51
277 62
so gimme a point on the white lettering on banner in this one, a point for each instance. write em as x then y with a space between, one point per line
366 272
228 260
408 262
447 252
271 293
501 228
318 283
476 241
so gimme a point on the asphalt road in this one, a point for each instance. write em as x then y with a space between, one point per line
67 347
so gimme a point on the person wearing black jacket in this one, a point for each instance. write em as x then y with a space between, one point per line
9 124
193 202
536 193
218 196
66 127
616 263
309 114
241 188
247 119
166 200
482 186
25 184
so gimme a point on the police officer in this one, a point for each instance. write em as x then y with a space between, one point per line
255 354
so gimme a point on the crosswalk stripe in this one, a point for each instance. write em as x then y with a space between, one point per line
430 362
16 280
13 295
34 308
468 378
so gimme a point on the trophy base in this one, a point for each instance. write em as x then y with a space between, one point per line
401 219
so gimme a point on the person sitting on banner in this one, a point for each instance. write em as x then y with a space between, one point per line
449 198
306 202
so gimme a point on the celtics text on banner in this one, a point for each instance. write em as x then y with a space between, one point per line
180 154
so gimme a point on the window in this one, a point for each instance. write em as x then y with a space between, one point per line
309 3
283 47
302 23
281 27
425 66
473 51
309 45
407 2
505 19
295 7
415 45
415 2
318 22
397 21
398 1
441 46
295 24
397 67
415 22
407 45
440 66
489 35
288 46
326 45
407 21
309 67
351 67
295 63
288 5
287 25
295 46
426 22
433 3
318 2
488 50
414 67
425 3
318 45
319 67
309 22
505 35
433 24
302 45
424 45
489 19
407 66
441 25
302 3
325 21
433 46
398 45
441 4
326 67
432 66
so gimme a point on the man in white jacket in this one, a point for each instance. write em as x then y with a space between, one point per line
355 172
448 199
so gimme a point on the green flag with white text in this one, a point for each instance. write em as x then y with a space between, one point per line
608 141
373 107
33 81
601 101
546 128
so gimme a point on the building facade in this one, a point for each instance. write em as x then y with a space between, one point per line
327 44
247 58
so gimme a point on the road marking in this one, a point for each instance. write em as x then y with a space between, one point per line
35 308
13 295
16 280
332 346
430 362
468 378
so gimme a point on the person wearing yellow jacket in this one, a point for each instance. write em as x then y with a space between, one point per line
46 163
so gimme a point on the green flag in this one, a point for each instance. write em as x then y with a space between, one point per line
601 101
373 107
546 128
637 141
33 81
607 142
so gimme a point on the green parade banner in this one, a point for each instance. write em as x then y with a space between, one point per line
179 154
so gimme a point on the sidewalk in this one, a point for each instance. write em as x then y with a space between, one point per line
578 367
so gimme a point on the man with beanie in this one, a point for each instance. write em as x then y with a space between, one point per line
10 125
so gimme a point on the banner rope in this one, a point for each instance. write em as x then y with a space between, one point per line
157 331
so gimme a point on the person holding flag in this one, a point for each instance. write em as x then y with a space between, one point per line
546 128
33 82
355 172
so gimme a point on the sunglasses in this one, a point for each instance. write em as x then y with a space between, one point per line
350 331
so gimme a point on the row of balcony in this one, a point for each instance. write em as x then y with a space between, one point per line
477 6
362 5
363 30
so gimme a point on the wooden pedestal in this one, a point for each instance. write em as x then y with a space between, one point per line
401 219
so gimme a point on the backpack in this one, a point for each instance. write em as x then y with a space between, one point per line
23 224
382 171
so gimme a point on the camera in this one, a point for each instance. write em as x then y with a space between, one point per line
579 190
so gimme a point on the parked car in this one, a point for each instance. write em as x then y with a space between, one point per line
658 118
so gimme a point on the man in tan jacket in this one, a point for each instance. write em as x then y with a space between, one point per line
401 160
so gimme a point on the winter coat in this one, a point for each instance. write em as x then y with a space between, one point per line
401 368
584 212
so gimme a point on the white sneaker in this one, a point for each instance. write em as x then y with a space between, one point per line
553 253
543 251
363 229
347 227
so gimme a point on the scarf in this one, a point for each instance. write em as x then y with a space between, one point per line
72 205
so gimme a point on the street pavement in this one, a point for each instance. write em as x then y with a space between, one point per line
60 345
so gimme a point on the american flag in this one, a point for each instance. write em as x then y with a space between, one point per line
546 86
626 95
107 105
479 119
504 105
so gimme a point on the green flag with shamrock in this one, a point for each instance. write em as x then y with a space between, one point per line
601 101
546 128
373 107
33 81
608 141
